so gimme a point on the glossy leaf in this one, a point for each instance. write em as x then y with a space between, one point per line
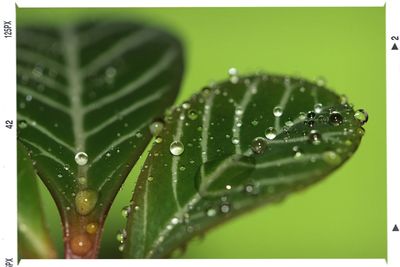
236 145
86 95
34 241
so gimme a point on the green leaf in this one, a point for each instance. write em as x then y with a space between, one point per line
236 145
86 95
34 241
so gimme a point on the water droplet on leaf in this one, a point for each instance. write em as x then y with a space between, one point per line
225 208
258 145
81 158
156 127
331 158
315 137
362 116
192 114
270 133
211 212
235 140
335 118
176 148
125 211
318 108
85 201
91 228
80 245
277 111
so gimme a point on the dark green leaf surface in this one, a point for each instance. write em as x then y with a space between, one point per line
33 238
91 88
234 146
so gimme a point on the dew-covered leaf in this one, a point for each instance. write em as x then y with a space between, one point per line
34 241
86 95
234 146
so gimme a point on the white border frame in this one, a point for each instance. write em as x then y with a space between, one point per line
8 188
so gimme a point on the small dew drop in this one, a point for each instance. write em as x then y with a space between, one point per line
206 91
225 208
81 158
91 228
239 111
158 139
297 153
176 148
233 75
289 123
361 115
321 81
258 145
311 115
192 114
331 157
121 235
277 111
125 211
121 247
235 140
270 133
175 221
249 188
186 105
211 212
302 116
22 124
335 118
156 127
318 108
315 137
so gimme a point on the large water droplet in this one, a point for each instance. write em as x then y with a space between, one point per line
81 158
277 111
362 116
176 148
156 127
270 133
80 245
315 137
85 201
335 118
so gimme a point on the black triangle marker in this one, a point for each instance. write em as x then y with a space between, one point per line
394 47
395 228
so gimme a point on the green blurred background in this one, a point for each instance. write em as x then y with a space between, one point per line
341 217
